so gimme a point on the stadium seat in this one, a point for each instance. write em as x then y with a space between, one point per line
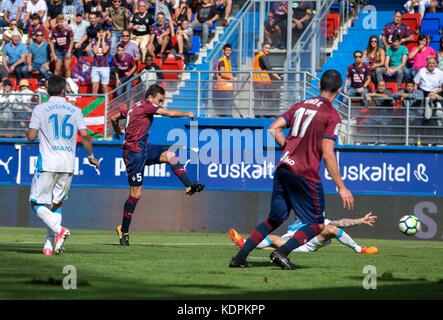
196 40
172 64
332 25
392 86
413 21
33 84
430 26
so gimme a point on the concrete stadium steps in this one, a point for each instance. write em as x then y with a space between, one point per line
356 39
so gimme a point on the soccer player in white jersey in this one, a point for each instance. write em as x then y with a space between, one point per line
332 230
55 123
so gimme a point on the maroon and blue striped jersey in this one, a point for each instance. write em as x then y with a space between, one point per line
139 119
309 122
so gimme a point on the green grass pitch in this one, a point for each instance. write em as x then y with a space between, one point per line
193 265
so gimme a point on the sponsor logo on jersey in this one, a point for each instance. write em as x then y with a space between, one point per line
286 159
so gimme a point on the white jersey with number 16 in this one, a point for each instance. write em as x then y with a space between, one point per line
58 122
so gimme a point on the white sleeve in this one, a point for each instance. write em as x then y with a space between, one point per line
327 222
35 122
79 120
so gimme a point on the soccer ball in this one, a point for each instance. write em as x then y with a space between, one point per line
409 225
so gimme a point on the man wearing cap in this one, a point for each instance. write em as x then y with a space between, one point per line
37 58
61 43
78 27
14 55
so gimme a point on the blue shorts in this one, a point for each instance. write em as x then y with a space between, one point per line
305 197
136 162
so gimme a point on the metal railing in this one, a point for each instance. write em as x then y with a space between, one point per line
194 91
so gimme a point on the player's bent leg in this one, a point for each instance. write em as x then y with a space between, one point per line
257 236
181 173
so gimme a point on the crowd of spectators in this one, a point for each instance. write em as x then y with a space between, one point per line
44 37
412 79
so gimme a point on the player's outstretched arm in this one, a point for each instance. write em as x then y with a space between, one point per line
115 126
368 219
276 130
332 166
175 113
87 144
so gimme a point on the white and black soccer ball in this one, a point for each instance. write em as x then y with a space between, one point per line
409 225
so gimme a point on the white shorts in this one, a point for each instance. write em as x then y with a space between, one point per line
50 187
100 74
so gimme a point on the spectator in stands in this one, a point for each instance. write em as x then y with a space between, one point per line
377 125
396 28
100 72
160 39
70 11
358 78
416 6
14 56
38 58
7 35
302 13
116 16
7 101
430 81
418 55
181 13
151 73
192 7
131 47
12 9
91 33
55 7
61 44
440 55
3 75
205 17
279 11
140 25
79 27
165 7
23 105
375 55
37 6
184 39
419 6
224 86
124 69
395 62
412 100
227 4
34 27
95 7
272 32
262 83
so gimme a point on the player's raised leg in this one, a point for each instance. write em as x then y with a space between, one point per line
180 171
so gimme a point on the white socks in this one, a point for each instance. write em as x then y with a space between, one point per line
344 238
50 235
49 218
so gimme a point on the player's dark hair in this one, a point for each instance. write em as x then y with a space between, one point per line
154 90
396 37
56 84
227 46
331 81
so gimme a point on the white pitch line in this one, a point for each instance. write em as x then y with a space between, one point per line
142 244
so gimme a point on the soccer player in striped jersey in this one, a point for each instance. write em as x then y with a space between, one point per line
313 128
138 152
332 230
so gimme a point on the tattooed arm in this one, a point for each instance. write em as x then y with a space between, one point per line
368 219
